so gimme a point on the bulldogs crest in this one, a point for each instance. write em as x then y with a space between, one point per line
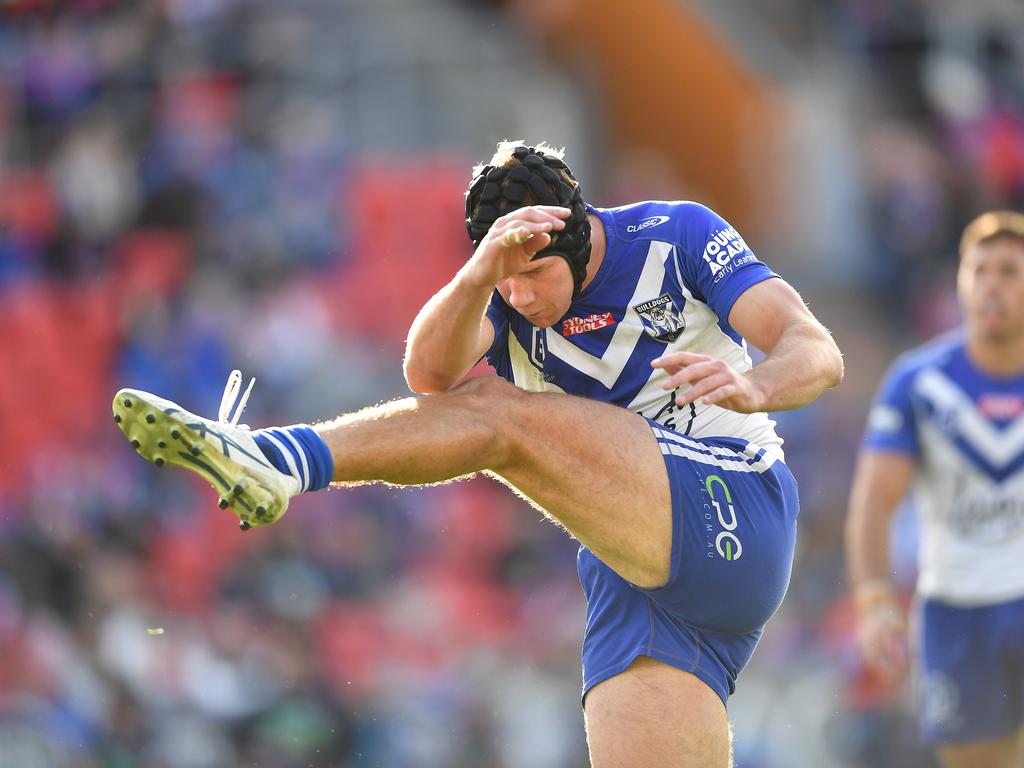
661 318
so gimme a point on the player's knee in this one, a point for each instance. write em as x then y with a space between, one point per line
496 406
486 388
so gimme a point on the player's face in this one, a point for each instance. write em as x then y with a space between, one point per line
542 292
991 287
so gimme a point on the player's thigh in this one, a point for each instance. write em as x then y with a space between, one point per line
998 753
656 716
597 469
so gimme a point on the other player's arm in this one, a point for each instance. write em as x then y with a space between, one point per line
880 482
451 332
802 360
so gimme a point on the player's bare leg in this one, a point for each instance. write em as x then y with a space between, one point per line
634 719
594 467
597 469
1000 753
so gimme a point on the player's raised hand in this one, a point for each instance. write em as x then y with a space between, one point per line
513 240
710 380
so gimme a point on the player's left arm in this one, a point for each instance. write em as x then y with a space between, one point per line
802 360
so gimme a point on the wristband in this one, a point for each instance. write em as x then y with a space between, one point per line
870 595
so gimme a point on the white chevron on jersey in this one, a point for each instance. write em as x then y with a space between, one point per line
969 470
610 365
997 446
661 297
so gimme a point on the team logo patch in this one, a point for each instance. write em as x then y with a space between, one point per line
661 319
575 325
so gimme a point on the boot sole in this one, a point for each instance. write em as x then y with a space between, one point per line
163 437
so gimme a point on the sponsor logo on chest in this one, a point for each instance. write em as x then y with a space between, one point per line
1001 407
575 325
661 318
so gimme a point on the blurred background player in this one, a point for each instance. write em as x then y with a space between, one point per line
949 421
679 496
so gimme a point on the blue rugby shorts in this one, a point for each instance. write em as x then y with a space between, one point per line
970 684
734 514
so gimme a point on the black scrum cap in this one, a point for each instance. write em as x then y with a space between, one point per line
495 191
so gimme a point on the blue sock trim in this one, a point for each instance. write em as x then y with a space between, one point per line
276 447
300 452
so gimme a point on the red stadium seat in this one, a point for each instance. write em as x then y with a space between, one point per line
406 240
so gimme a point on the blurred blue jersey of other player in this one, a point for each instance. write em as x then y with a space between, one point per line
626 409
949 419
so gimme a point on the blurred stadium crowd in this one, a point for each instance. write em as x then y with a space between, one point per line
188 186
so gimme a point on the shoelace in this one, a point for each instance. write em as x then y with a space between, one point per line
229 397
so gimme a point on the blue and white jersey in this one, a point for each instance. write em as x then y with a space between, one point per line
965 430
670 275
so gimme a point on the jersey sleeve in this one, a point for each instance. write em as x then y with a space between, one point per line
715 260
497 313
892 422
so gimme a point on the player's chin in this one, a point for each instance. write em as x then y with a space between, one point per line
541 320
997 331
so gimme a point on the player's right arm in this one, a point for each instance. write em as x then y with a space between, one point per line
452 332
885 468
881 480
449 335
